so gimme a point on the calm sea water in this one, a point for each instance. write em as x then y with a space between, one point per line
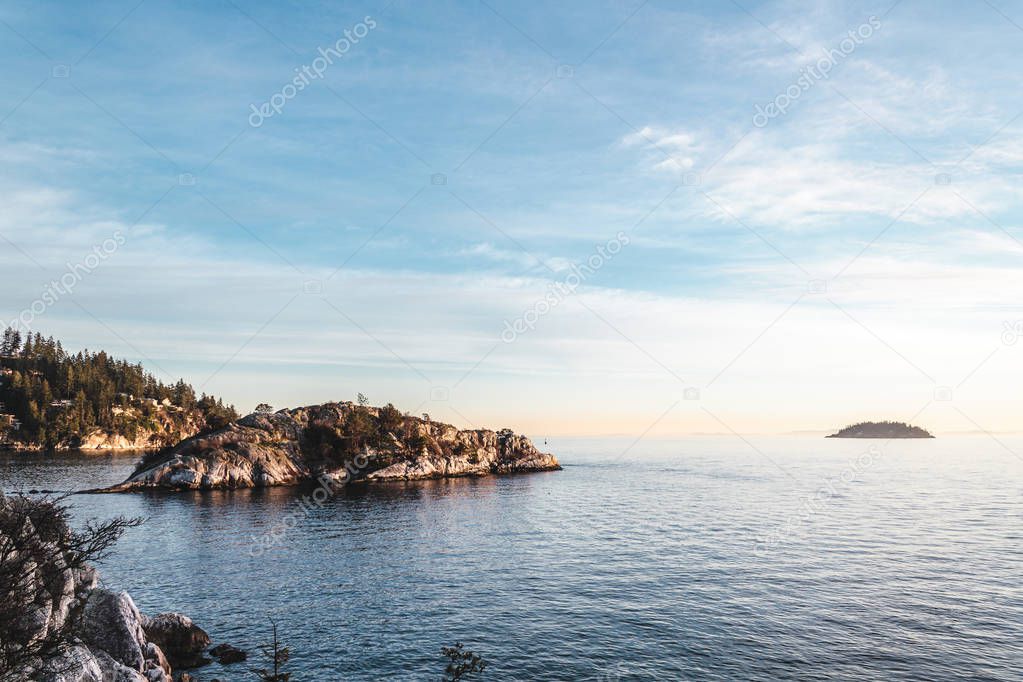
696 559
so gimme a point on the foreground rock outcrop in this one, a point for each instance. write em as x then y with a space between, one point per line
338 441
56 625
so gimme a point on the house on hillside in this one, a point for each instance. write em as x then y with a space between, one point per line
8 424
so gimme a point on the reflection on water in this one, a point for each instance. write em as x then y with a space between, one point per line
644 568
64 471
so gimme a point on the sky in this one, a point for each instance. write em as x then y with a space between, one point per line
587 218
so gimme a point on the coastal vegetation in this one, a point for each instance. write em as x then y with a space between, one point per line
462 663
278 656
884 429
53 399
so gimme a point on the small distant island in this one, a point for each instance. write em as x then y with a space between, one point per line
884 429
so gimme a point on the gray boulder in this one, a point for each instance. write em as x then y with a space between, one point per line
114 671
226 654
77 664
113 624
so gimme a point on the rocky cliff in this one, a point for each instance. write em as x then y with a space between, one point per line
337 441
162 428
56 625
150 426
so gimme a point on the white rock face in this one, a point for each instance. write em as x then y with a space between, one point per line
117 671
339 441
112 623
101 440
78 664
113 646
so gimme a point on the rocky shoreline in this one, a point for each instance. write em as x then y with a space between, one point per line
335 442
95 449
58 625
102 440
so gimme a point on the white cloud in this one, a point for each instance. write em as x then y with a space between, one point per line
826 162
190 310
667 149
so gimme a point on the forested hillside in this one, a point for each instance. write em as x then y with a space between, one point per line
885 429
51 398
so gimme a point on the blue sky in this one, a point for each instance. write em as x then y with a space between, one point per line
855 257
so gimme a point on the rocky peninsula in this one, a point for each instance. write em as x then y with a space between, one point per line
886 429
334 442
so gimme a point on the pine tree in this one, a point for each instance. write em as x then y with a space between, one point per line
11 343
278 655
44 373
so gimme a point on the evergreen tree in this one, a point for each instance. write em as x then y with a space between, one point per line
42 375
278 655
11 343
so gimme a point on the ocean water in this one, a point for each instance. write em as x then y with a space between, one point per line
703 558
